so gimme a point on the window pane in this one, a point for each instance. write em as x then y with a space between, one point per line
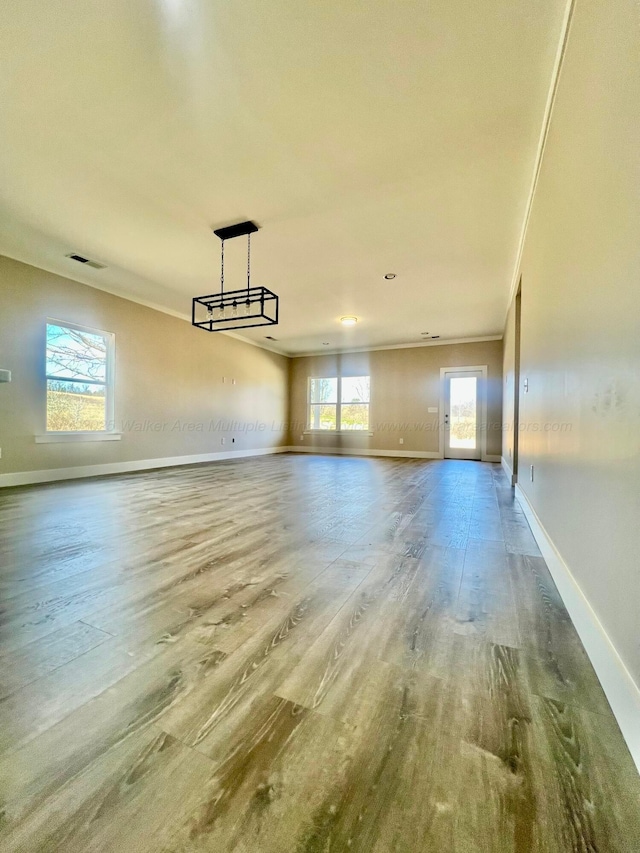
323 391
72 354
355 389
463 412
322 417
354 416
75 406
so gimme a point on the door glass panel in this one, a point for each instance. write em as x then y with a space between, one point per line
463 412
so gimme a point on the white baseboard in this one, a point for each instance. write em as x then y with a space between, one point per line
53 475
25 478
619 687
507 470
355 451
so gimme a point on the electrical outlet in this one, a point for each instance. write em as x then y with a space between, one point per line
222 440
401 441
233 381
301 438
531 473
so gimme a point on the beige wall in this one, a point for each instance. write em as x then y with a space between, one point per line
404 384
581 321
168 377
508 386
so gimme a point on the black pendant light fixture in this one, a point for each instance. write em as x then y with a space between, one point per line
235 309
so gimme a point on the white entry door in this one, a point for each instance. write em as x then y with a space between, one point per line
463 390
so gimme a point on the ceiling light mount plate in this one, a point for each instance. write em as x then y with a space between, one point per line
390 276
240 229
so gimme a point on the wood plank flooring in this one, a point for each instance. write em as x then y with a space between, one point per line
294 653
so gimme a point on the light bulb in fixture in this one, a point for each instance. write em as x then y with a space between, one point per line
234 310
247 308
348 321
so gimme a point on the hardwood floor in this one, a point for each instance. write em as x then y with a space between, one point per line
294 653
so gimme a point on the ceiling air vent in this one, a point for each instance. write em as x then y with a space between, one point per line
269 338
82 260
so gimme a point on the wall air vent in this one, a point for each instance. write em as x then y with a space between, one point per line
86 261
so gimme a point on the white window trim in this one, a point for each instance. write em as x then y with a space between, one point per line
338 404
52 436
337 431
63 437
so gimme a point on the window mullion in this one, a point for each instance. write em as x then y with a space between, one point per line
75 379
339 405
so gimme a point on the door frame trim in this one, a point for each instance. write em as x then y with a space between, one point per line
480 368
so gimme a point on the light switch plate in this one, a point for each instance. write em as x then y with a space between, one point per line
433 410
5 376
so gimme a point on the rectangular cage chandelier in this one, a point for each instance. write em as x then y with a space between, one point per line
235 309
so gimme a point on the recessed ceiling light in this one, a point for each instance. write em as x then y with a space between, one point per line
390 276
325 343
348 321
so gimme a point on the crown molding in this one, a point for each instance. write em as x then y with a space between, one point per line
542 142
114 291
416 345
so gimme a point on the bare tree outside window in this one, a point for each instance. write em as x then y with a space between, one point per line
77 367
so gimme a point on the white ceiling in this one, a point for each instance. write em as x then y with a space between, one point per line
364 136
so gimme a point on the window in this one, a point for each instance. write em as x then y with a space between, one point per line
79 368
339 403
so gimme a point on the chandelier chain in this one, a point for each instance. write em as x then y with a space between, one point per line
222 270
248 261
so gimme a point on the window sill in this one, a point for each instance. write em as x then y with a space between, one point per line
63 437
338 432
